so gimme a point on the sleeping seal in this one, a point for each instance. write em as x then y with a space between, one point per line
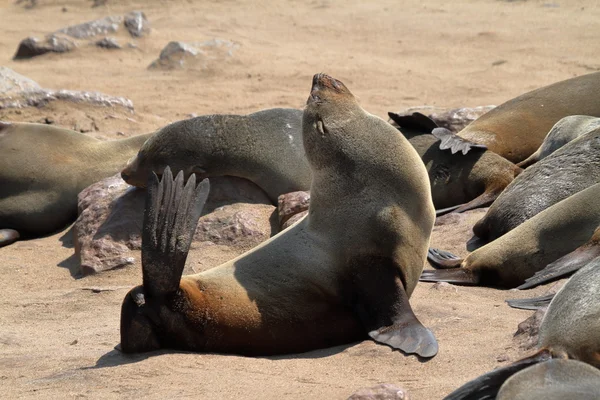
570 169
461 181
264 147
517 128
343 272
511 259
562 132
42 170
569 330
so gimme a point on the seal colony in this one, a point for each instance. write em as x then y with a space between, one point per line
264 147
38 189
316 284
516 129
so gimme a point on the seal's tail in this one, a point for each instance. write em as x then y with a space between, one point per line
170 219
488 385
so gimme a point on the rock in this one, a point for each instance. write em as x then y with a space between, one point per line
18 91
33 47
290 204
108 229
384 391
137 24
108 43
204 55
454 119
90 29
444 287
528 330
293 220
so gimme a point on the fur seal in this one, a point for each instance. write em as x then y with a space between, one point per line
264 147
569 330
562 132
515 129
567 171
38 189
509 260
554 379
459 182
343 272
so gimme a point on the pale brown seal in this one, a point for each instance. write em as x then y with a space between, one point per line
517 128
511 259
568 170
44 167
264 147
344 271
565 130
469 178
569 330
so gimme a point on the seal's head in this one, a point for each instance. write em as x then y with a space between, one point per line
330 112
138 324
168 146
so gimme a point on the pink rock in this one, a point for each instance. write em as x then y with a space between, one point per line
291 204
108 230
384 391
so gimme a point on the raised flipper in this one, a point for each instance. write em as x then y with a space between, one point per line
488 385
450 140
533 303
170 219
8 236
416 123
381 303
564 266
442 259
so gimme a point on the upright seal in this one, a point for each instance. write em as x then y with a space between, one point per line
343 272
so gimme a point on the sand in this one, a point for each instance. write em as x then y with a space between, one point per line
57 337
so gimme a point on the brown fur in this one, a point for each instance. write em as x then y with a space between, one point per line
345 270
518 127
43 168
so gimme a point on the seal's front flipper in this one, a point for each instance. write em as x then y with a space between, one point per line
450 140
8 236
170 219
442 259
565 265
416 123
533 303
444 211
381 304
457 275
488 385
483 200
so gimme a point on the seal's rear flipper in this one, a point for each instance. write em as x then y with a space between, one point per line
170 219
485 199
457 275
488 385
564 266
450 140
441 259
444 211
416 123
533 303
381 304
8 236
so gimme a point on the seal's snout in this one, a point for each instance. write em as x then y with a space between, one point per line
323 81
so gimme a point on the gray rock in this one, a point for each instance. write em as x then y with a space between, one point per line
33 47
90 29
291 204
384 391
108 43
108 230
136 23
454 119
18 91
203 55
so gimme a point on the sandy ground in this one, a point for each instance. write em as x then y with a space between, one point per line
57 338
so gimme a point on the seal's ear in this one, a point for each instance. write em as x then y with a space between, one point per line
455 143
488 385
416 122
170 219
